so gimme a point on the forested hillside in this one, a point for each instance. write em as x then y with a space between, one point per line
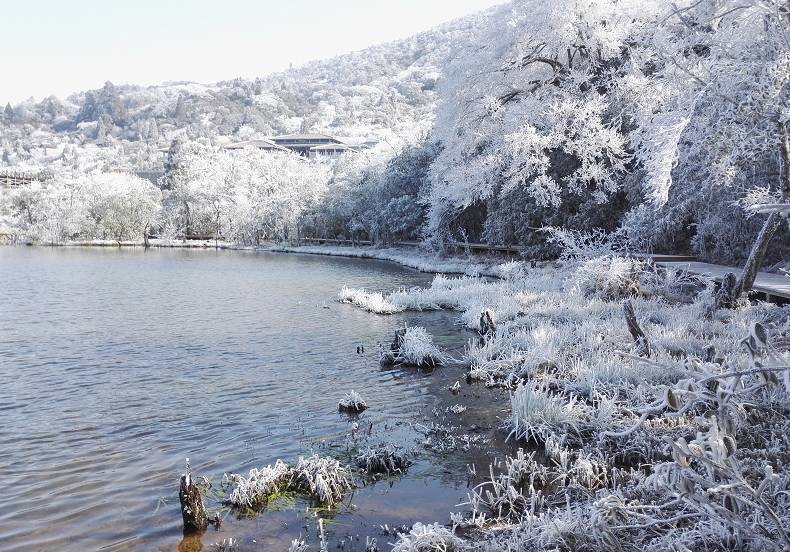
664 127
371 94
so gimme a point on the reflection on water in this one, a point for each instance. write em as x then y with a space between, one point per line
116 365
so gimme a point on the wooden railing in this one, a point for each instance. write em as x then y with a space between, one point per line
11 179
489 248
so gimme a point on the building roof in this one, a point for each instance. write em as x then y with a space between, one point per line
257 144
332 147
307 136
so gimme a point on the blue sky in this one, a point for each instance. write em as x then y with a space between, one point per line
61 46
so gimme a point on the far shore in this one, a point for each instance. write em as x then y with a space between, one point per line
490 265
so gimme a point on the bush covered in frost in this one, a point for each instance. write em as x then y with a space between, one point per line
608 278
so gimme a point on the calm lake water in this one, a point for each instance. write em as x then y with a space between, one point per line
116 365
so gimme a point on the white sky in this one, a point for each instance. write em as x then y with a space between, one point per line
64 46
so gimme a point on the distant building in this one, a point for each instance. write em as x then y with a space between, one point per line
303 143
264 145
326 151
312 146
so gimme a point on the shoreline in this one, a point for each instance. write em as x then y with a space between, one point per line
416 259
493 266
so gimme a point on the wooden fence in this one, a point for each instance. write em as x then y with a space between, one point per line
13 178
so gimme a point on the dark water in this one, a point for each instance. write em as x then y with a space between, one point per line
116 365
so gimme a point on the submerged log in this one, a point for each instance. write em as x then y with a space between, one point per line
639 336
193 510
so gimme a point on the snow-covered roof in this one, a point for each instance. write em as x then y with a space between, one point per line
333 147
308 136
258 144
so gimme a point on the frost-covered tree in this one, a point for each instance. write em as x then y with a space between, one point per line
123 207
717 122
533 105
245 195
577 111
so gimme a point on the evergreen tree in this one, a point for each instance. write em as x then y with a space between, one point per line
9 112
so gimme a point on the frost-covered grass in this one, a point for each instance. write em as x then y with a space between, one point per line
370 301
415 258
386 459
608 277
536 414
417 347
685 450
255 490
324 479
427 538
413 346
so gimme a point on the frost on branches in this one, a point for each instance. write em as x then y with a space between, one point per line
672 111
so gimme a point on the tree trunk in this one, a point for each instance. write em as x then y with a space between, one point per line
760 247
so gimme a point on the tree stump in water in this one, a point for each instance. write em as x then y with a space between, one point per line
193 510
639 336
398 341
487 324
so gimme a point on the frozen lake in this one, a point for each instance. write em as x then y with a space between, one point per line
116 365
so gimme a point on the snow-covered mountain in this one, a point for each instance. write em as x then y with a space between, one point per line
373 92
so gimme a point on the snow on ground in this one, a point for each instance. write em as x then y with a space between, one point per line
666 451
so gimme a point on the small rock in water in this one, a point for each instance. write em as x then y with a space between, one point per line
456 388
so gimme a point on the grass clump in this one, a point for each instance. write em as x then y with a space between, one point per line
386 460
370 301
536 414
323 479
427 538
260 485
609 278
413 346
